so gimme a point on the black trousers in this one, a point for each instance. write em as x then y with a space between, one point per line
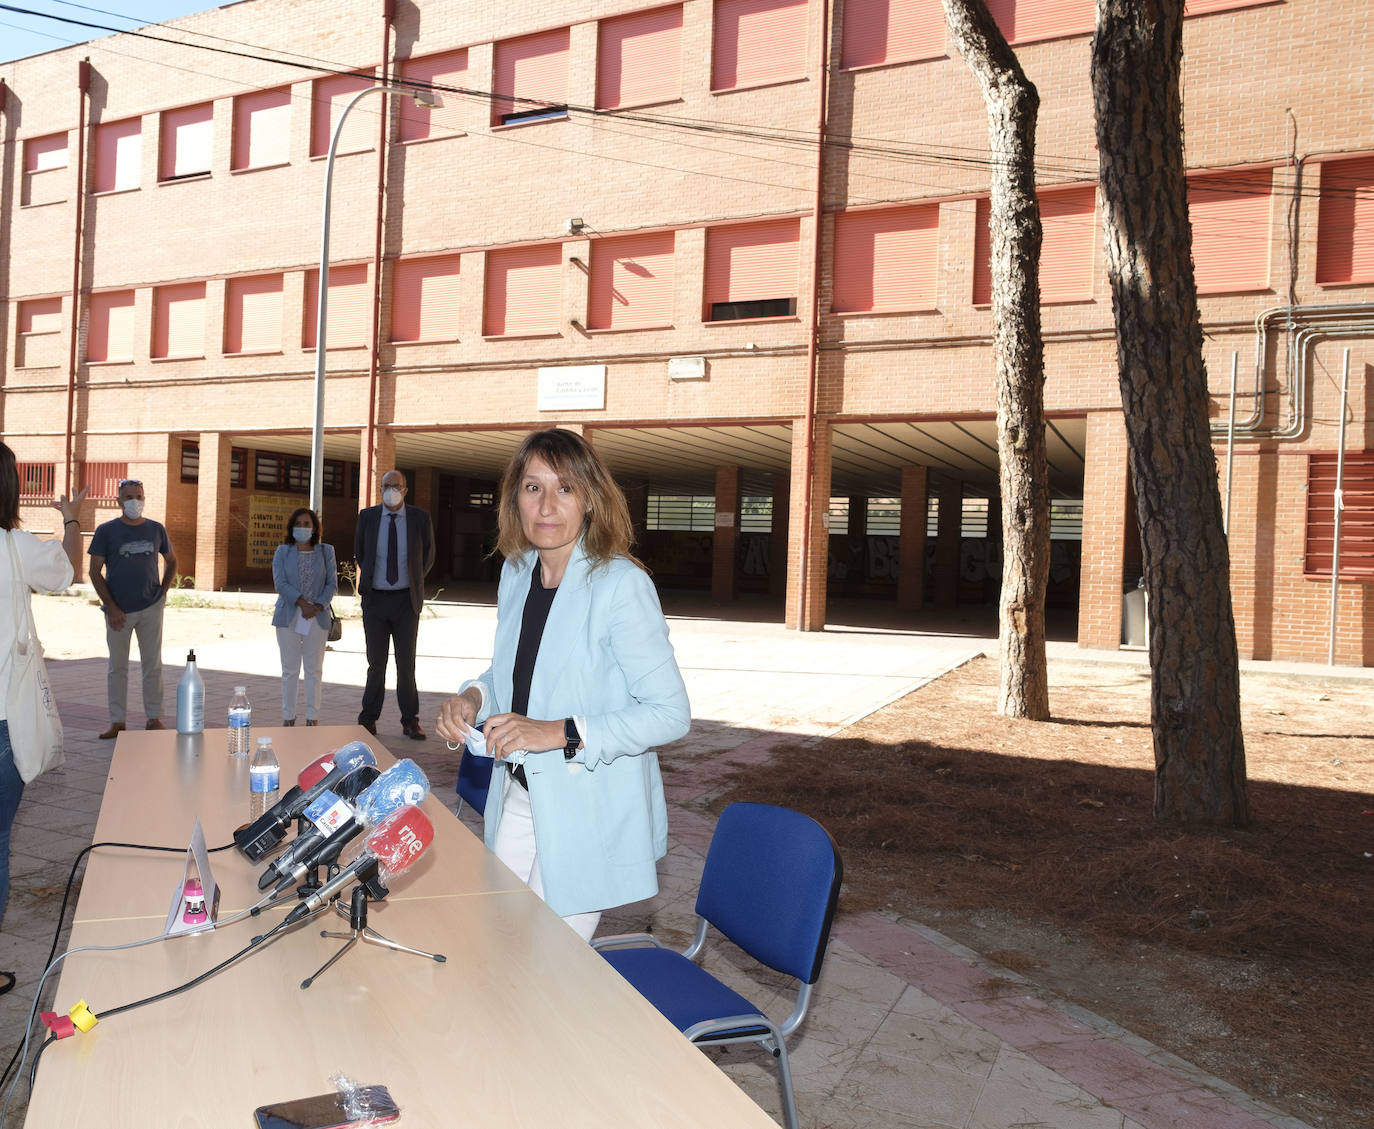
390 622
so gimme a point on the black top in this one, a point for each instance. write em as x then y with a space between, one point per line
537 605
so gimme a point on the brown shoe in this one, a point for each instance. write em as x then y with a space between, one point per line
413 731
370 726
116 728
311 721
289 723
156 723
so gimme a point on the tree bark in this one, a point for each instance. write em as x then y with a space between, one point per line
1195 684
1013 104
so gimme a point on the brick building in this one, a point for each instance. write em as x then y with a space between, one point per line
610 222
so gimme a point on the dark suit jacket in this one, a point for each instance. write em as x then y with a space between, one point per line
419 550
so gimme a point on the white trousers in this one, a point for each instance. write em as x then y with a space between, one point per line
515 847
298 651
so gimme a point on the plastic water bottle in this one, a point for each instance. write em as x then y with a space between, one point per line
264 779
240 723
190 699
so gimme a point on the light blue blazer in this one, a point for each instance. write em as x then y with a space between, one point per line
600 820
286 579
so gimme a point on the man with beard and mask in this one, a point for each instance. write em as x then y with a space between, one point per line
394 547
124 574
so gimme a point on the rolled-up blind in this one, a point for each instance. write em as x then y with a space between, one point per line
187 139
252 314
530 71
639 58
1345 222
631 282
179 320
891 31
110 336
1229 213
424 299
262 129
755 42
752 262
886 259
118 155
523 294
348 316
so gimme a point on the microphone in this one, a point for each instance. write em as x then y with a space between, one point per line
335 823
397 842
269 829
328 813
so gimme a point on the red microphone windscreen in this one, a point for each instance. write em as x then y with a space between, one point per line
315 771
400 839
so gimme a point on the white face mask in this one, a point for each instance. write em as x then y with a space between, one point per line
391 498
133 508
302 533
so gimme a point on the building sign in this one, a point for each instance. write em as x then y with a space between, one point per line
572 387
267 514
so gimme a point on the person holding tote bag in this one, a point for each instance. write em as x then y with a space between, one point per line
27 564
306 576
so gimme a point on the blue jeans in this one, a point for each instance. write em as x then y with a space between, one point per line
11 790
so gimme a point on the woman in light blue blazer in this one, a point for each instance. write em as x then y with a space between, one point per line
306 576
582 686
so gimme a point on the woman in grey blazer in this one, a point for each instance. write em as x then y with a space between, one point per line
306 576
582 685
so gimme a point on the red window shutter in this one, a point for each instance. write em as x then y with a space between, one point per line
524 294
1025 21
118 155
752 262
420 122
1345 222
348 315
885 259
329 98
44 153
982 253
1202 7
252 314
39 340
262 129
187 139
424 299
179 320
639 58
110 335
755 42
1068 220
530 70
1229 213
892 31
1357 517
631 282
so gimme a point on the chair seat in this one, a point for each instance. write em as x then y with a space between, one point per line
684 992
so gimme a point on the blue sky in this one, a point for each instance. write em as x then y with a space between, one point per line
22 35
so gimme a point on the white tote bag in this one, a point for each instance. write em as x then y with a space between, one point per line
30 708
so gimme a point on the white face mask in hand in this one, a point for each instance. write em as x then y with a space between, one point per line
391 498
133 508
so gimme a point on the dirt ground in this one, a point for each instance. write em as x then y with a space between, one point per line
1245 952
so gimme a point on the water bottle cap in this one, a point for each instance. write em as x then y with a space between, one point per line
240 689
264 741
191 656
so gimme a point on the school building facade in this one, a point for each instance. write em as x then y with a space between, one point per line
741 245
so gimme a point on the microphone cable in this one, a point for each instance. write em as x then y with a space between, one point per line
255 943
57 934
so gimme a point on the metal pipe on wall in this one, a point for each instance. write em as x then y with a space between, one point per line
1338 504
83 85
367 472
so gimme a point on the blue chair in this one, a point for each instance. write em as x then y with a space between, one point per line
771 882
474 779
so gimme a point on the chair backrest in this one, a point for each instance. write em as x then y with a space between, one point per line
474 779
771 882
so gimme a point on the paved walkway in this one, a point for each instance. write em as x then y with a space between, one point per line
908 1030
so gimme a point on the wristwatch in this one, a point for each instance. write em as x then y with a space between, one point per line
571 739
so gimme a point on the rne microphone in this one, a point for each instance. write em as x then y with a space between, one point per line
335 823
269 829
397 842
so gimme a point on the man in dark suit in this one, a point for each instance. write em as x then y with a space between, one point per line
394 548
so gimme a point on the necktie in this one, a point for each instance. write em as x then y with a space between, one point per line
393 553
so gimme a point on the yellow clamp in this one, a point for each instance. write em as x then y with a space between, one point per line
82 1016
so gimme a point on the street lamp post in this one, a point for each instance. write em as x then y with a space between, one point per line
422 98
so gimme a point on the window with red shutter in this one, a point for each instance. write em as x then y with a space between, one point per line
531 77
757 42
424 299
179 320
186 142
892 31
886 259
1357 515
751 270
1229 213
1345 222
262 129
639 58
110 332
118 155
631 283
523 291
253 314
421 123
348 313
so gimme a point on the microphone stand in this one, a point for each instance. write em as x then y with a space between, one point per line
360 930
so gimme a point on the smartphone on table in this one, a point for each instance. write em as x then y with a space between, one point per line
326 1111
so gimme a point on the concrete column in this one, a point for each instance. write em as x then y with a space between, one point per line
729 482
947 537
1105 516
212 512
808 575
911 541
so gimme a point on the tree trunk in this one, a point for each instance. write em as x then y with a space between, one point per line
1014 225
1195 686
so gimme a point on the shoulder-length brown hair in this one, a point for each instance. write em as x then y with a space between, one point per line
606 529
9 489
